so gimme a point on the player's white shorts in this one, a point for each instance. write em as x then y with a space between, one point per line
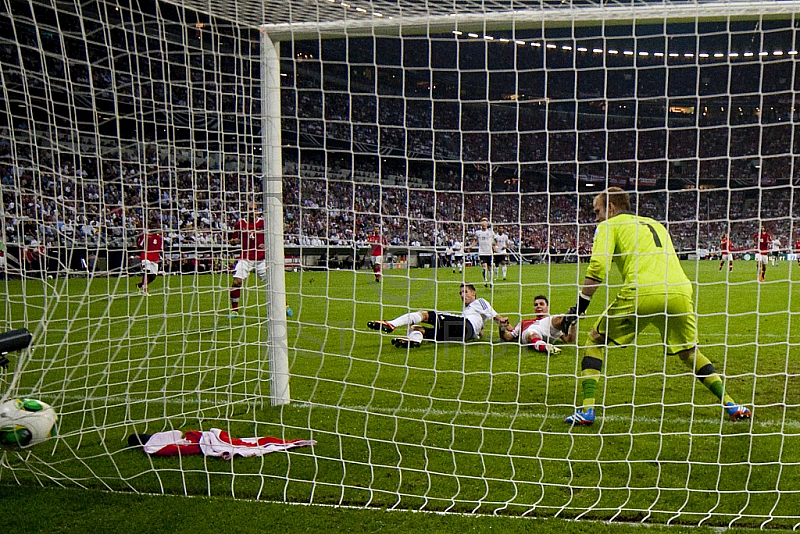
762 258
150 267
245 267
727 257
377 260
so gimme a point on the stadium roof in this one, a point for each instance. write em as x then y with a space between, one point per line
284 19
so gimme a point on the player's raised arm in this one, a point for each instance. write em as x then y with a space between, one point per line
568 332
569 319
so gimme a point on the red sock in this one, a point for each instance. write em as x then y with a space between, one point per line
235 293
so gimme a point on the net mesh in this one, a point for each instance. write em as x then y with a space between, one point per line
124 120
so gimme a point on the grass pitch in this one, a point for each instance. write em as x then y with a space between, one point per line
447 427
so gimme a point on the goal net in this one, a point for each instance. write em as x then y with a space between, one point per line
225 216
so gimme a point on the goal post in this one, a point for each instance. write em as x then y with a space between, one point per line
272 168
444 19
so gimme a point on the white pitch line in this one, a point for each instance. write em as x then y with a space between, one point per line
421 413
527 415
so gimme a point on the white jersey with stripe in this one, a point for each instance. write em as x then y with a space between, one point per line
477 313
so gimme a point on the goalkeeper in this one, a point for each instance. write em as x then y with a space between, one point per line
655 291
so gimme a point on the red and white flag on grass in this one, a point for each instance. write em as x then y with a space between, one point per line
215 442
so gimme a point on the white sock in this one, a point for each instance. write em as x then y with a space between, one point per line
415 335
505 270
407 319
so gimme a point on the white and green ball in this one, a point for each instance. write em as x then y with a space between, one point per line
25 423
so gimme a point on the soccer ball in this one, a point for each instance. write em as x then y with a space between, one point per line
25 423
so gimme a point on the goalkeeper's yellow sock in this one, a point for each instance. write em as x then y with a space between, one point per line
591 368
705 373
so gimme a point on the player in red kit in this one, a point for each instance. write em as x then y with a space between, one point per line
151 244
762 256
248 232
377 241
725 250
797 249
541 332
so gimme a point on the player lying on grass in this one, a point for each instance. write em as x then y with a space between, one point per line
443 326
541 332
655 291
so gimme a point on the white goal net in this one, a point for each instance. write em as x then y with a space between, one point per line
238 217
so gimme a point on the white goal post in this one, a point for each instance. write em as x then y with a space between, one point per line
277 339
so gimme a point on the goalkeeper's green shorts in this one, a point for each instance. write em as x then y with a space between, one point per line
630 313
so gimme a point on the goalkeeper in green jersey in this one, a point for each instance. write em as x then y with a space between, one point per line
655 291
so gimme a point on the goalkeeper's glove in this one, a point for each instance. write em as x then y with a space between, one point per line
569 319
574 312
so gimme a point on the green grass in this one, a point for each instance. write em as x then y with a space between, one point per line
48 510
451 427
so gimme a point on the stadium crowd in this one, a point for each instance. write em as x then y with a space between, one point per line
106 204
420 169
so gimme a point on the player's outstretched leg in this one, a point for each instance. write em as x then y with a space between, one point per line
405 343
413 341
708 376
384 326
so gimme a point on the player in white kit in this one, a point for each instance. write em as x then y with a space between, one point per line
484 238
501 254
444 326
